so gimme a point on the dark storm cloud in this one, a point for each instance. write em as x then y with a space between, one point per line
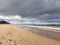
41 9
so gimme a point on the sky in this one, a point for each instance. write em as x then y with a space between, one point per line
45 10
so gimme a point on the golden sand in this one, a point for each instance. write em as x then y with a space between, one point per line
11 35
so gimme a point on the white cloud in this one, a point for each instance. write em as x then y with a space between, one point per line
10 17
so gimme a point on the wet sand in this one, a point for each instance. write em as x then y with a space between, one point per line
12 35
49 33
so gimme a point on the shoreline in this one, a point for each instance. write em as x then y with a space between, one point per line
12 35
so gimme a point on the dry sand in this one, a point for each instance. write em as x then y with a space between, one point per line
11 35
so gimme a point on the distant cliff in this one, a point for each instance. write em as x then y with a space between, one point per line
4 22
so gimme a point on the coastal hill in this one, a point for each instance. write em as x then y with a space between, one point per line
4 22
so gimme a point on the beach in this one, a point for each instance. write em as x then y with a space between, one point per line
12 35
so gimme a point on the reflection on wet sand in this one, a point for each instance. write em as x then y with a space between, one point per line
46 33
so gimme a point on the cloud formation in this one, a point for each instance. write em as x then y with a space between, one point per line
42 9
10 17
